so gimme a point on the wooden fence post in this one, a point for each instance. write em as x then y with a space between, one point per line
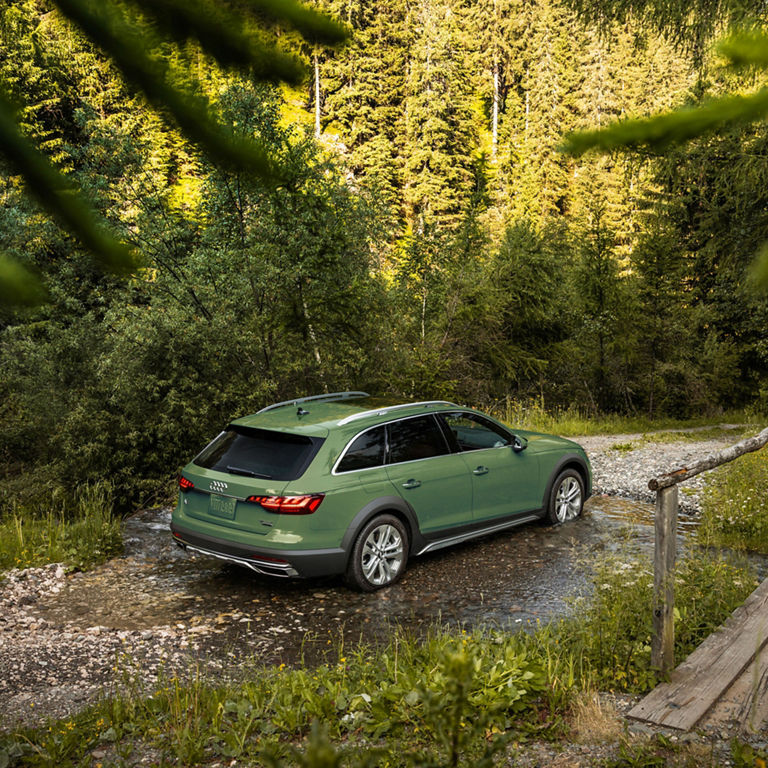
663 643
665 486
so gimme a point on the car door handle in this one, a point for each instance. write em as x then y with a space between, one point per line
480 471
411 483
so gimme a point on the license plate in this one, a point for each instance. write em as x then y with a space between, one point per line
222 506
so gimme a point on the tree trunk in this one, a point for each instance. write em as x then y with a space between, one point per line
316 65
495 112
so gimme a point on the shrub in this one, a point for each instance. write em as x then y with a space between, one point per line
735 505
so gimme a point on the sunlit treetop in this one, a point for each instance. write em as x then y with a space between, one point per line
689 24
656 133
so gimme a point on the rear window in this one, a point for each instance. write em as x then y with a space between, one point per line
259 453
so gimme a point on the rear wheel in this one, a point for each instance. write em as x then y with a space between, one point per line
379 554
566 498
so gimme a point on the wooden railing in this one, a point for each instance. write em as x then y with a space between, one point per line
663 642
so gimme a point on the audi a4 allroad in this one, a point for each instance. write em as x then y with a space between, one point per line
349 484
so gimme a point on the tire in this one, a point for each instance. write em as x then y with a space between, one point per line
379 555
566 499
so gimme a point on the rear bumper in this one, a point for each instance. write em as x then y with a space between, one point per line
269 562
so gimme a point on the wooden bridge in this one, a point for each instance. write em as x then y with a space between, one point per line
724 682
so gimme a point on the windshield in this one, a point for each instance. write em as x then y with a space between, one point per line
259 453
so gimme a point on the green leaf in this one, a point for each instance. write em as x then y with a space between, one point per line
314 26
116 38
18 286
744 50
670 128
227 36
760 268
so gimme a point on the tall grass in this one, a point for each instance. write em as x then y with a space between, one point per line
607 641
79 535
573 421
734 505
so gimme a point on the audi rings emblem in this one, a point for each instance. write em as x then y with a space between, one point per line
217 485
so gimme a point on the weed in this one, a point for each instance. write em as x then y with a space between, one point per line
611 627
746 756
623 447
592 721
735 505
80 538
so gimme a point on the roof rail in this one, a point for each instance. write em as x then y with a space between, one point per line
330 397
382 411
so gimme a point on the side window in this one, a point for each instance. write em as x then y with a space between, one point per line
367 450
418 438
473 432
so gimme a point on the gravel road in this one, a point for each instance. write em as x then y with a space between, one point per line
68 638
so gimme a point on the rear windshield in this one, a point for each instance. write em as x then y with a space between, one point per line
259 453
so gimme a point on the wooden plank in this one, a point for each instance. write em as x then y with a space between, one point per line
711 669
665 551
745 703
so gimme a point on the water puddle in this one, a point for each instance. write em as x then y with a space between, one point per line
628 512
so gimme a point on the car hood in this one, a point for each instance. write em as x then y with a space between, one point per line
543 442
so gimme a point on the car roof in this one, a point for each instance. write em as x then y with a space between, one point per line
325 413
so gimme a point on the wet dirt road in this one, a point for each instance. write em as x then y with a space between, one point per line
506 580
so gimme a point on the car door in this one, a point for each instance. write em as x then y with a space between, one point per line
434 481
504 481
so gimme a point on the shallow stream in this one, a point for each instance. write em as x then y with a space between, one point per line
505 580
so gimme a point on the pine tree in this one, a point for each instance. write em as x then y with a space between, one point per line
364 91
439 126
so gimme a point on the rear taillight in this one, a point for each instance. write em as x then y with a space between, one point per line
184 484
289 505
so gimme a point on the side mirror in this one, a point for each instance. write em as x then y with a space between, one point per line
519 443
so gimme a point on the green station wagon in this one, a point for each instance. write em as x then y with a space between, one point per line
349 484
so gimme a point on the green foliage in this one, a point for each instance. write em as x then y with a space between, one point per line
734 508
610 634
228 36
689 24
727 111
448 698
51 189
18 285
80 533
746 756
663 130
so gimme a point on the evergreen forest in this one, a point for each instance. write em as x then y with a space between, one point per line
429 238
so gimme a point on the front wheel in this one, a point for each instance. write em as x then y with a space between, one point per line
566 498
379 554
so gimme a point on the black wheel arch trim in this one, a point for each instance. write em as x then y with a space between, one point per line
380 506
570 459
